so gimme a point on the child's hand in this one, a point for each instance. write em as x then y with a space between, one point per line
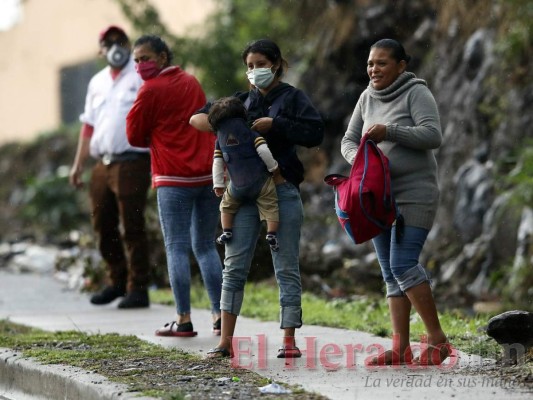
219 191
277 177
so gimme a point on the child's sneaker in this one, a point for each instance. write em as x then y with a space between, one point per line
272 240
224 238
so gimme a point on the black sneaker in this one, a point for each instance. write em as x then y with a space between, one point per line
273 242
135 299
107 295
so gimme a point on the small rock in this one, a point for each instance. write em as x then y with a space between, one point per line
514 331
222 381
274 388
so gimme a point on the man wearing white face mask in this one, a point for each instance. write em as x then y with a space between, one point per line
121 176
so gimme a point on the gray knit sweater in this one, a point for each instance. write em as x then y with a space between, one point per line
410 113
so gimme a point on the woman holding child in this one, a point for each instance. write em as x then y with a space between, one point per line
286 118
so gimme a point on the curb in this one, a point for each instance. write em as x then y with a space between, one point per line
21 378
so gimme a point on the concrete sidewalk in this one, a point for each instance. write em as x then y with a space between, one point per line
40 301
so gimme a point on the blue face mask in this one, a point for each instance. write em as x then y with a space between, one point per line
260 77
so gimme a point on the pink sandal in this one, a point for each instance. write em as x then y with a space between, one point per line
289 352
390 357
435 355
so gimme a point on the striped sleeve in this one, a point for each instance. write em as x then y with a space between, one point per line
218 169
265 154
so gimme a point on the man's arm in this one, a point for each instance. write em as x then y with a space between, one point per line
82 153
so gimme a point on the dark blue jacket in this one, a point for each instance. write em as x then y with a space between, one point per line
296 123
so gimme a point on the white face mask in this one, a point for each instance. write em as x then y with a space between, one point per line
260 77
118 56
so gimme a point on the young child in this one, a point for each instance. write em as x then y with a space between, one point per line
250 167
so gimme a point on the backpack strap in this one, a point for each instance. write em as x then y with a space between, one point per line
276 104
387 200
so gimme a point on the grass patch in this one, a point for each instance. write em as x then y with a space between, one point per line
362 313
145 368
74 346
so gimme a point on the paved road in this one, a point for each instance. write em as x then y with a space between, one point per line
40 301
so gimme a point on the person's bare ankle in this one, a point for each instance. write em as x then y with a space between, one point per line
183 319
437 339
289 341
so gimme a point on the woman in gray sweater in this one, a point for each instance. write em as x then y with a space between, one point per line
398 111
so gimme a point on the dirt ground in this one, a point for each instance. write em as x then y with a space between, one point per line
216 379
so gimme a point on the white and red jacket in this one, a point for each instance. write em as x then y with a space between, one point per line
159 119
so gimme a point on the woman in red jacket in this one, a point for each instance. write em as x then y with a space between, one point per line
182 157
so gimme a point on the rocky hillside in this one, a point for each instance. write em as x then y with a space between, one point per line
477 58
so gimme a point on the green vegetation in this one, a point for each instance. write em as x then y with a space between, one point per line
514 46
75 346
216 52
151 370
145 368
51 202
521 177
36 197
514 279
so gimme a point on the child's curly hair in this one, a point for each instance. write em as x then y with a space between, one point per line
223 108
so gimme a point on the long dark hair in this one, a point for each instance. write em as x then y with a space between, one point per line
157 44
396 49
270 50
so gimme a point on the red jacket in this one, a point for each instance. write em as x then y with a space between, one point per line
159 119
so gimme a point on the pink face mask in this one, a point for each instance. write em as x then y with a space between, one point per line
147 69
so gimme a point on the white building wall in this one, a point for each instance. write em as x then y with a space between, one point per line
57 33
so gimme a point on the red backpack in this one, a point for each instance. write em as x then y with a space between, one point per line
364 202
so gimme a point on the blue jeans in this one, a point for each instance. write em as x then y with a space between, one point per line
399 261
189 218
240 251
